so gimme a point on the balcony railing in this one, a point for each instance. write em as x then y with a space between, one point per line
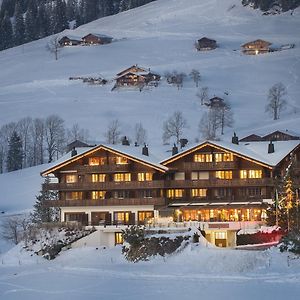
103 168
106 202
218 183
224 165
112 185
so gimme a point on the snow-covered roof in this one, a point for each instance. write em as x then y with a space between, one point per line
99 35
72 37
257 151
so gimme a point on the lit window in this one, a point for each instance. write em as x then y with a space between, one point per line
122 216
120 160
96 161
73 195
98 195
255 173
227 157
243 174
218 157
203 157
119 238
122 177
145 215
199 192
98 177
145 176
176 193
71 178
220 235
224 174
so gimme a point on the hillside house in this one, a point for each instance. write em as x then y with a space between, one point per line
96 39
70 41
216 102
133 69
273 136
256 47
220 186
205 44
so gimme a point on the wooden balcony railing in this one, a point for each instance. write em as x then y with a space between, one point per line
103 168
106 202
112 185
218 183
224 165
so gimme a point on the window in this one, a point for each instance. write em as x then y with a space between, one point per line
176 193
199 192
98 177
250 174
254 191
203 157
96 161
122 177
122 217
224 174
179 176
145 176
121 160
73 195
71 178
200 175
145 216
121 194
147 193
222 192
119 240
220 235
218 157
98 195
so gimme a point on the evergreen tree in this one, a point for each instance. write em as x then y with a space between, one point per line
59 16
6 32
14 154
30 26
19 32
42 22
42 212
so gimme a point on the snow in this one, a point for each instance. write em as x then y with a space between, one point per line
159 36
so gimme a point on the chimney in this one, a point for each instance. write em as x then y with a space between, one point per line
183 142
74 152
174 150
271 148
136 144
125 141
145 150
235 139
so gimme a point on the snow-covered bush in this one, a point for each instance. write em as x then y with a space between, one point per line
290 243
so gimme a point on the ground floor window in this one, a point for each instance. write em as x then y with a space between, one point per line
144 216
119 240
122 217
77 217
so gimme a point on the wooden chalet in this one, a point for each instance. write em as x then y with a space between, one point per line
273 136
96 39
251 138
133 69
256 47
70 41
216 102
219 185
205 44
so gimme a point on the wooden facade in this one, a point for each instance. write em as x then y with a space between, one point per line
256 47
70 41
206 183
205 44
273 136
96 39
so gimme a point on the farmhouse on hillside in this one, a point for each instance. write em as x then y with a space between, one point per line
70 41
96 39
216 102
256 47
273 136
205 44
222 187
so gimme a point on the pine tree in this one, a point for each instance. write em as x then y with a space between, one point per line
6 32
19 32
14 154
43 213
30 26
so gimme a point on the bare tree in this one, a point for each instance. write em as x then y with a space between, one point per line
77 133
195 75
12 229
113 132
225 116
175 78
53 46
24 126
276 102
203 95
208 125
140 134
174 126
55 136
38 138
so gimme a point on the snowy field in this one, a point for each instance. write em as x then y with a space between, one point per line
196 273
161 36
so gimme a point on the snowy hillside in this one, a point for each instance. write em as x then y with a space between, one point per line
159 35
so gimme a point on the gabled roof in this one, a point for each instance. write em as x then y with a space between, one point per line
206 40
257 41
256 152
133 66
98 35
71 37
132 153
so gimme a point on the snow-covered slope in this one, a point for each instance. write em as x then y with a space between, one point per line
159 35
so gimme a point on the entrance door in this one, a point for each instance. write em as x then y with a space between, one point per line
221 239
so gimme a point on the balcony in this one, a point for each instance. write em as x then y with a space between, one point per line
112 185
196 166
218 183
103 168
106 202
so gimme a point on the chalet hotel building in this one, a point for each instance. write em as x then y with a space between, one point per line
223 187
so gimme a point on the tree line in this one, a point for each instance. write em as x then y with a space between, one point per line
265 5
30 142
22 21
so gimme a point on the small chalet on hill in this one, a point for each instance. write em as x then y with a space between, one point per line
136 76
273 136
96 39
256 47
70 41
216 102
205 44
